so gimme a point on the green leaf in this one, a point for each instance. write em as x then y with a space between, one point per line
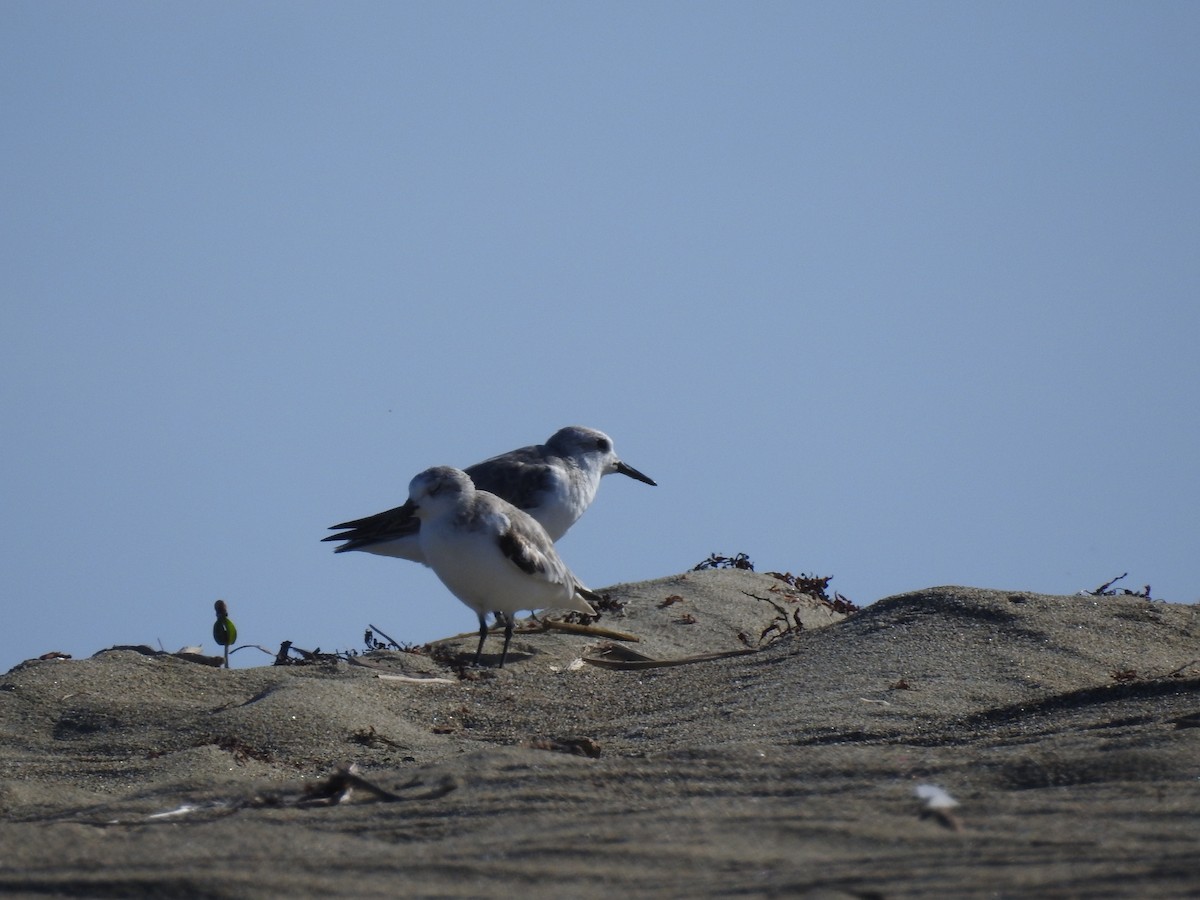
224 632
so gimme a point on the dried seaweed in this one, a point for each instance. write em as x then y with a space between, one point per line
716 561
781 625
369 737
817 586
290 655
842 604
814 585
241 751
609 604
373 643
1107 590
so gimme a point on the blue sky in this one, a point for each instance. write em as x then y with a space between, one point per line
902 293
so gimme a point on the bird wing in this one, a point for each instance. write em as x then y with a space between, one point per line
524 548
390 525
525 543
519 476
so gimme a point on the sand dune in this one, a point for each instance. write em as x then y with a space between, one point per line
1066 728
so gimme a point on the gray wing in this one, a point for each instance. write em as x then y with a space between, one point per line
520 476
527 549
526 544
377 529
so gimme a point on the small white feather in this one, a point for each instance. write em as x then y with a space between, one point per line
935 797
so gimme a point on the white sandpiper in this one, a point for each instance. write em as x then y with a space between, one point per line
554 482
491 555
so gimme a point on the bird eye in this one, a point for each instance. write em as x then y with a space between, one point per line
603 445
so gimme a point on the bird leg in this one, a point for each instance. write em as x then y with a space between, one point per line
508 630
483 630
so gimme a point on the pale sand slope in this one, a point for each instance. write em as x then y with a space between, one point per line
1067 727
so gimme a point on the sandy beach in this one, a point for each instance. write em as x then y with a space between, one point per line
779 753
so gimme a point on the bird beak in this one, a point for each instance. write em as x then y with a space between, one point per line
635 474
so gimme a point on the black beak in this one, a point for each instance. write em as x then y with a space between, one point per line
635 474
